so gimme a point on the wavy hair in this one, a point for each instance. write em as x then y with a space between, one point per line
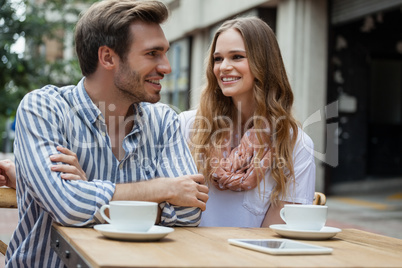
273 98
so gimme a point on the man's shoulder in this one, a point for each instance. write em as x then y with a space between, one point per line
49 92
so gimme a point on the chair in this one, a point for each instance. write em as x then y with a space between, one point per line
8 199
3 248
319 199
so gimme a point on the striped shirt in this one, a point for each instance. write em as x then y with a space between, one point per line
66 116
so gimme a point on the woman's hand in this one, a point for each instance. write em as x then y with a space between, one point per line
7 173
71 169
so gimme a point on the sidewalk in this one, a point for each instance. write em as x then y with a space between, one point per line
374 206
8 222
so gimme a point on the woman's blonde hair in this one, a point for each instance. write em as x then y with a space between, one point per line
273 99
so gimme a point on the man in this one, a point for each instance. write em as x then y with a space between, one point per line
129 149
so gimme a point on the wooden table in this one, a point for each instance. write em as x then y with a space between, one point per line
208 247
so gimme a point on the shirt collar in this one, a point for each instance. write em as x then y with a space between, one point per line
91 112
84 104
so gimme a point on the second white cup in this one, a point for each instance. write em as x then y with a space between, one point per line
131 216
304 217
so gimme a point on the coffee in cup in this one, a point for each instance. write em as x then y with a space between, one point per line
131 216
304 217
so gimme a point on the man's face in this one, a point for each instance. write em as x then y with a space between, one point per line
138 76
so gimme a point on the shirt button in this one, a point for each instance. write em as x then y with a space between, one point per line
103 134
121 166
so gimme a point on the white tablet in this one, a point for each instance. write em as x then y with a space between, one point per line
280 246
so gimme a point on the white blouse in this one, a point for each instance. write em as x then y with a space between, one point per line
248 208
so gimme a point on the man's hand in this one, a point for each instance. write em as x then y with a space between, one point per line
188 191
185 191
7 173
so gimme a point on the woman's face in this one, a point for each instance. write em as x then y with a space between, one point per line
231 67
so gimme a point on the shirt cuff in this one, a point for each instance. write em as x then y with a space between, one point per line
106 191
168 215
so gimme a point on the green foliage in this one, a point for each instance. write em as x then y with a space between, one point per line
20 74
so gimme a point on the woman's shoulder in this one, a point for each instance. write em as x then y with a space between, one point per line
186 118
304 143
304 137
187 115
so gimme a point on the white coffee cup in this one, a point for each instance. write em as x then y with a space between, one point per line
131 216
304 217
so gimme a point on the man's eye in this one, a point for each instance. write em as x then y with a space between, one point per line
152 53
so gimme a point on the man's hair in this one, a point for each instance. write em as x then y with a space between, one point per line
107 23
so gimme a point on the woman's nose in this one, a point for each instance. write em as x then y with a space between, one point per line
226 65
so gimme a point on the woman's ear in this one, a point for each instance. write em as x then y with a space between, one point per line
107 57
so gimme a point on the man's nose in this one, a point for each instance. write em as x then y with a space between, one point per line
164 66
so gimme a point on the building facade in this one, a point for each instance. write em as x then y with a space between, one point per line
365 77
343 59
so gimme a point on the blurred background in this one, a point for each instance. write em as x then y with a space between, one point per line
344 62
343 58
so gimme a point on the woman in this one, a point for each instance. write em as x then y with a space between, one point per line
243 136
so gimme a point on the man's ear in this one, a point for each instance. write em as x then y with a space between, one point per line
107 57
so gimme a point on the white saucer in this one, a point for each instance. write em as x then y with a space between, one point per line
324 233
155 233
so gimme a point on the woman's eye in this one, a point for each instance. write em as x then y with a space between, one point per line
217 59
237 57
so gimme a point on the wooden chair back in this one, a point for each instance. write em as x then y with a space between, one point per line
319 199
8 199
3 248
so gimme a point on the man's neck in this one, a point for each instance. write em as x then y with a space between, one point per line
118 113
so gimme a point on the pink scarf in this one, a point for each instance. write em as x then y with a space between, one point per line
234 169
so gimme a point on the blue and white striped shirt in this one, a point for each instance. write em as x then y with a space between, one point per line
66 116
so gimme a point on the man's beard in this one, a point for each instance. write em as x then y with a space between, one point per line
131 85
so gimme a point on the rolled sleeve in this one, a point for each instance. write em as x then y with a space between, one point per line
39 132
179 162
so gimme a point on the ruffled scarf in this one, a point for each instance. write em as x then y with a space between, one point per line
234 169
